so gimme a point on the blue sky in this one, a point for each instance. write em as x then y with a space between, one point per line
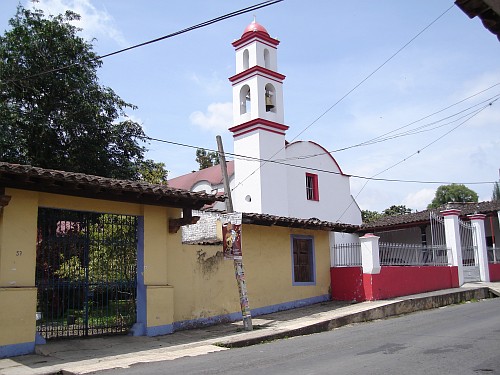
327 48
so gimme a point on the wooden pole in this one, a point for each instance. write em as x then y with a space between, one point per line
239 271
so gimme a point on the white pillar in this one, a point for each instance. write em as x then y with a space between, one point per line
477 221
452 233
370 259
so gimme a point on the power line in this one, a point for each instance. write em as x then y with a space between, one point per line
353 89
373 178
416 153
381 139
191 28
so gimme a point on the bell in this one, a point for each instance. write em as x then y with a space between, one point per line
269 103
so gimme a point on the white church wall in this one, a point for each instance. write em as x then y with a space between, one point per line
335 202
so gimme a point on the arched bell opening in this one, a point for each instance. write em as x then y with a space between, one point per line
245 100
270 98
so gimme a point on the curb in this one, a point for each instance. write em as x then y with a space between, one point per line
394 308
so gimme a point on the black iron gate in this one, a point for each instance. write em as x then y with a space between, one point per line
86 275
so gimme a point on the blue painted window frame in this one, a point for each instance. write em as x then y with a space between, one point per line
312 258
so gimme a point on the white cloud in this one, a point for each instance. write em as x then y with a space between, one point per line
218 117
420 199
94 22
212 85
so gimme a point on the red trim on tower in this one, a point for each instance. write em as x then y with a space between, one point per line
258 128
255 35
255 70
275 127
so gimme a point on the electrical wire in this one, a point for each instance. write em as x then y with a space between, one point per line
191 28
353 89
376 139
373 178
413 154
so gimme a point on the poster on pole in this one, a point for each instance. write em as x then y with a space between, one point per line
231 236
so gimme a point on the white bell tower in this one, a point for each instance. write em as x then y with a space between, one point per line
258 129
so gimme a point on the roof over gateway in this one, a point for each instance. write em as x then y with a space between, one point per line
423 217
31 178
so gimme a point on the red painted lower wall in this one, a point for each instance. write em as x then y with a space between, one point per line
494 271
349 284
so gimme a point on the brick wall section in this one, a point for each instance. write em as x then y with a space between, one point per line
204 231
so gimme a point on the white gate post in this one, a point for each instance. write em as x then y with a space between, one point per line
477 221
370 259
452 233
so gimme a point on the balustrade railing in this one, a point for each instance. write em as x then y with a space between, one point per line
397 254
347 255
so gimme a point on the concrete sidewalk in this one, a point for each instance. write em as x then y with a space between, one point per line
80 356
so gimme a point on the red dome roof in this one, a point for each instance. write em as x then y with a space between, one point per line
255 27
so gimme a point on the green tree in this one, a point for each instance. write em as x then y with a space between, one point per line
53 111
368 216
452 193
152 172
397 210
496 192
206 159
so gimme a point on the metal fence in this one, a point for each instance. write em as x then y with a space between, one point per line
396 254
347 255
493 254
86 268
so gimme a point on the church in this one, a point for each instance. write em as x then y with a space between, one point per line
270 175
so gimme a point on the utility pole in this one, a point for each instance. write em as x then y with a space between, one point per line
238 263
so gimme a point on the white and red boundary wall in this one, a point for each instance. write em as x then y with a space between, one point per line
371 282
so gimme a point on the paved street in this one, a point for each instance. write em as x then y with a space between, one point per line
459 339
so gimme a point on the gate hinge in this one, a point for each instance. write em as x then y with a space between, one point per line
186 219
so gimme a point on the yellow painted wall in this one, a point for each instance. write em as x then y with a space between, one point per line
18 232
17 315
160 302
205 285
183 282
18 239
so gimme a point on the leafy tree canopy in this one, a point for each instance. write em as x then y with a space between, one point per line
206 159
496 192
397 210
371 216
152 172
61 118
368 216
453 193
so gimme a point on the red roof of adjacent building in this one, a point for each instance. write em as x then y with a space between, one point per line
212 175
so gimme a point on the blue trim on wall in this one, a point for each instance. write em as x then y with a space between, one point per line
203 322
141 301
313 259
39 339
290 305
160 330
17 349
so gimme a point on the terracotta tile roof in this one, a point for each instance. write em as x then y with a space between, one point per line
422 217
291 222
78 184
212 174
488 11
